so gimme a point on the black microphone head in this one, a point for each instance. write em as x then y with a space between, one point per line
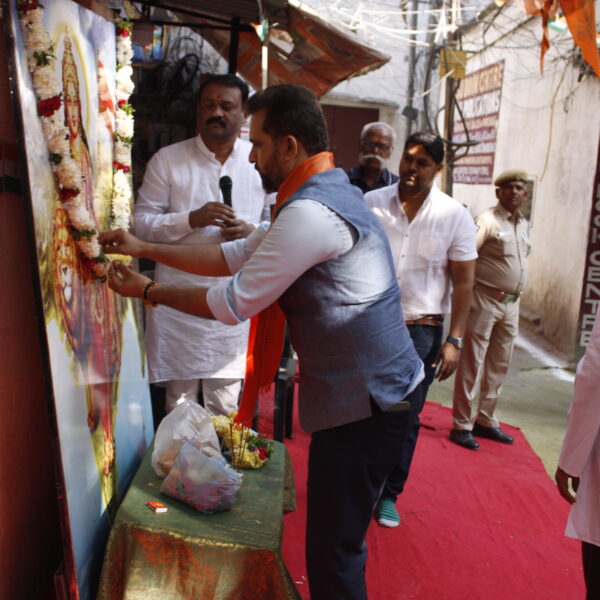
225 182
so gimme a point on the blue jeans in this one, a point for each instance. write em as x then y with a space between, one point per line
427 340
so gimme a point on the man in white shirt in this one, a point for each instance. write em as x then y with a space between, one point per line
433 246
327 262
579 463
180 202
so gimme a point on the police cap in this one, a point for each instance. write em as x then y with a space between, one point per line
512 175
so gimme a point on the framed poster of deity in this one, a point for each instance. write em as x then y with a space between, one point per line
71 84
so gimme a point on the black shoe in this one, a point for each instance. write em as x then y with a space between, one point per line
463 438
492 433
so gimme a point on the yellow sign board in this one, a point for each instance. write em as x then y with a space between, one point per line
453 63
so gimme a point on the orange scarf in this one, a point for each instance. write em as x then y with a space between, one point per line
267 328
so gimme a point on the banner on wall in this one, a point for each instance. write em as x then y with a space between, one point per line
478 98
590 293
95 352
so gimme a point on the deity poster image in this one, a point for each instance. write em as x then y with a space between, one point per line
94 337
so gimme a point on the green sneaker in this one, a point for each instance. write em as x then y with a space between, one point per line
386 514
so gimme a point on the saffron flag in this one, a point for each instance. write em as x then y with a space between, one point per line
581 19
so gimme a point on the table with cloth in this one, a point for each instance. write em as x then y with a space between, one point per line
187 555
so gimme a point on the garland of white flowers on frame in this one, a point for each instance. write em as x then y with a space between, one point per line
67 173
123 136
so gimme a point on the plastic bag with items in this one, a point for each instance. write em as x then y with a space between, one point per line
187 421
208 484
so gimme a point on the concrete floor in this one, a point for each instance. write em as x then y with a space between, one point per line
535 397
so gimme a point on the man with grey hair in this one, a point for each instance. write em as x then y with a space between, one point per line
376 144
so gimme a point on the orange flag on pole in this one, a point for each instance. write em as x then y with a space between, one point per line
548 14
581 19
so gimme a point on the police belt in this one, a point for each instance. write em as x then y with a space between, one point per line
496 294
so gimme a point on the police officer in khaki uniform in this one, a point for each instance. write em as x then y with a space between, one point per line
500 271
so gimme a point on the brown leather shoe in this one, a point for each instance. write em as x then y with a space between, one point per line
464 438
492 433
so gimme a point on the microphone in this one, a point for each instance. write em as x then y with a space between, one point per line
226 184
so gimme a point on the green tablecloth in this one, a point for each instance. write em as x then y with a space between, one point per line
186 555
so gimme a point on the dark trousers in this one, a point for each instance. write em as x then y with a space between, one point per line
590 554
347 467
427 340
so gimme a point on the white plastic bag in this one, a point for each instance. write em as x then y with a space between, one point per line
208 484
187 421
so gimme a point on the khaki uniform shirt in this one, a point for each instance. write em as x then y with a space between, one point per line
503 246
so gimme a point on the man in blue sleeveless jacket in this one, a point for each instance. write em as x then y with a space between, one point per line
327 261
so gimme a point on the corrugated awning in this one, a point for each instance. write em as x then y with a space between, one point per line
248 11
308 51
303 49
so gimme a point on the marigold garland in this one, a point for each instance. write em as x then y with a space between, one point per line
68 176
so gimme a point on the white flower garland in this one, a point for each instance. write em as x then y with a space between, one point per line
41 61
122 195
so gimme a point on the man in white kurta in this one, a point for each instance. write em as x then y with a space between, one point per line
579 463
180 201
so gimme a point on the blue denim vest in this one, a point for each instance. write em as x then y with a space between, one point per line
345 319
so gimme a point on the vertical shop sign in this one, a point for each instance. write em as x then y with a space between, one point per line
590 293
478 99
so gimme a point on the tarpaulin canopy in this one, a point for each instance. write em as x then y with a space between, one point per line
307 51
303 49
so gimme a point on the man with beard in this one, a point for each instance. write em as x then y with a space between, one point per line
180 202
493 323
325 263
433 246
376 144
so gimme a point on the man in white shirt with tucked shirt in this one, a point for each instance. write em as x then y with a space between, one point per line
433 247
180 202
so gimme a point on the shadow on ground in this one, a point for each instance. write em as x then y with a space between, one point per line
535 397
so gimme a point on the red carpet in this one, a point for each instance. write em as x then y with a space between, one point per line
485 525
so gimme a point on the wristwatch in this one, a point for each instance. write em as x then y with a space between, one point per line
458 342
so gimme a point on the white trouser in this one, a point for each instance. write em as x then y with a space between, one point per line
220 395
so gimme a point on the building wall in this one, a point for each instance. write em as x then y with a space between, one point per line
387 27
549 125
